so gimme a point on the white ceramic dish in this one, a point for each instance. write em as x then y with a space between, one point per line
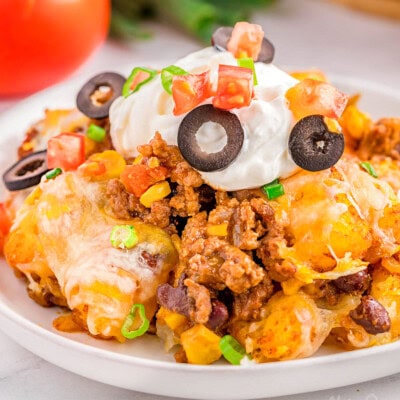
142 364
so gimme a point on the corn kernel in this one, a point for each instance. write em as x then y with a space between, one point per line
153 162
201 345
138 159
155 193
217 230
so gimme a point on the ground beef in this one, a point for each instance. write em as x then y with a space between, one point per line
186 201
201 311
124 205
383 138
247 306
219 264
242 227
159 215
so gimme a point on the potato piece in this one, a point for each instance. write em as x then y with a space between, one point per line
291 327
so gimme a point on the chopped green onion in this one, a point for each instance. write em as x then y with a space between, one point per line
123 237
247 62
231 349
167 75
129 320
369 168
53 173
138 77
273 189
96 133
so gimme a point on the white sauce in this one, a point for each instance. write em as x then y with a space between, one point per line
267 122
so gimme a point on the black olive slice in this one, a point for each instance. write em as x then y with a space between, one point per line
26 172
221 36
97 94
190 148
312 146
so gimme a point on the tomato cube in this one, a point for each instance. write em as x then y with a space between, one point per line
246 40
311 97
137 178
188 91
235 87
66 151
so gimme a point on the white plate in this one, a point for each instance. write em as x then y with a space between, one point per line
142 364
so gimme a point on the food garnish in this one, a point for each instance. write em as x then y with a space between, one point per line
96 133
123 237
235 87
189 90
367 166
98 93
167 75
232 350
312 146
273 189
53 173
137 78
189 147
223 35
130 319
66 150
26 172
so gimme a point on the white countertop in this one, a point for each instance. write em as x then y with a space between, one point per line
306 33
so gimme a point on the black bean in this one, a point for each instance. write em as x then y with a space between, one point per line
371 315
174 299
358 282
219 315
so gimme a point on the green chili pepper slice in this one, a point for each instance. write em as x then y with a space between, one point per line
167 75
130 318
96 133
123 237
231 349
369 168
247 62
138 77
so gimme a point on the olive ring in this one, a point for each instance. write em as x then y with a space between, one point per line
190 148
312 146
26 172
84 101
222 35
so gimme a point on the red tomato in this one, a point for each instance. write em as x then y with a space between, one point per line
137 178
311 97
246 40
42 41
235 87
66 151
190 90
5 224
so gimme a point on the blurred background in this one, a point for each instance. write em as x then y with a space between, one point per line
47 41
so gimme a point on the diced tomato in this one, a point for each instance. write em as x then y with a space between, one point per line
190 90
310 97
246 40
137 178
5 224
235 87
66 151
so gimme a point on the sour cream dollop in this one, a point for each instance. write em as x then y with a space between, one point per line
266 122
